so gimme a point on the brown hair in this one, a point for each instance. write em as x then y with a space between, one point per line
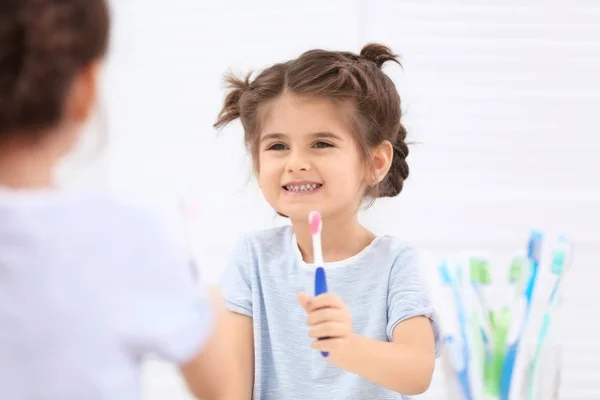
43 45
335 75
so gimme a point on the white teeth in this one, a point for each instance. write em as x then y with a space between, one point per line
302 188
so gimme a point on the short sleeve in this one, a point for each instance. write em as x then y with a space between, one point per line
408 296
236 283
167 312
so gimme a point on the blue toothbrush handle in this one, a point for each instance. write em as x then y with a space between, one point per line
459 359
463 378
507 371
320 288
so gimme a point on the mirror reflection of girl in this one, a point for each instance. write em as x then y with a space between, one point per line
88 287
325 133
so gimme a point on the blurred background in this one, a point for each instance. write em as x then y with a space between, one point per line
502 96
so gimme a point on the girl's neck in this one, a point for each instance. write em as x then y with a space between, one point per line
25 167
341 238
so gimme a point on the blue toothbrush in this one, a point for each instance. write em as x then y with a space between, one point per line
316 225
533 254
459 348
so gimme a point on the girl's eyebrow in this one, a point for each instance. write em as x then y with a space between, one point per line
272 136
325 135
316 135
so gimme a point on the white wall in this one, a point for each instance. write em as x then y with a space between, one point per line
503 97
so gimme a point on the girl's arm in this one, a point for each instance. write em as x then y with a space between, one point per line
405 365
224 368
240 340
237 333
206 373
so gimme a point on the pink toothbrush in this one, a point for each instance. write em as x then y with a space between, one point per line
316 225
187 212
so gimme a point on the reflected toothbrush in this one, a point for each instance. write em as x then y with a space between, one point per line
186 213
316 225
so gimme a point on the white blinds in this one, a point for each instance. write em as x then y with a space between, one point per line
504 98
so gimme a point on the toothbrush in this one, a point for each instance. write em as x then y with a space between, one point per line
502 319
561 263
523 309
185 213
501 328
316 225
480 275
459 348
447 361
476 333
450 357
483 318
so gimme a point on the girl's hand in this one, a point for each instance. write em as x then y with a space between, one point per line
329 318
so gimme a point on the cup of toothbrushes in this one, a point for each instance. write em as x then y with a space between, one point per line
541 376
539 379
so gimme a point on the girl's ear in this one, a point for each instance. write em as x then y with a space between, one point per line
83 94
381 161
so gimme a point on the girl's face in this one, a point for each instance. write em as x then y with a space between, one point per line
308 159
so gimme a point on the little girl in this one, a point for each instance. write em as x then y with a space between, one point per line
88 287
325 134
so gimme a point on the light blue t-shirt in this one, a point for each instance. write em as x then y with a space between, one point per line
381 285
88 289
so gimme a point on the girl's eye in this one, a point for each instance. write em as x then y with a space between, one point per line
277 146
322 145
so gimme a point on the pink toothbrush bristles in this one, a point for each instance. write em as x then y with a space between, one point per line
314 220
188 208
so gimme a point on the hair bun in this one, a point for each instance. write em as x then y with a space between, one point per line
43 45
393 183
231 108
379 54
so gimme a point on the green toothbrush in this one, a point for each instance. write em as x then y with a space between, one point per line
483 316
517 276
